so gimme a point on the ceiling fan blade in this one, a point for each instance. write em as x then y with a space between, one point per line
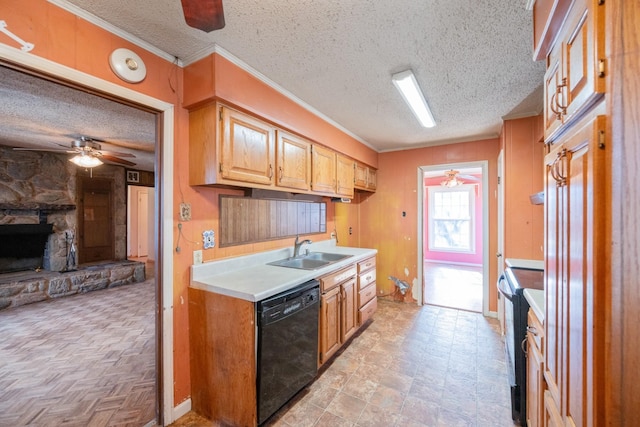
113 159
49 150
205 15
468 177
116 153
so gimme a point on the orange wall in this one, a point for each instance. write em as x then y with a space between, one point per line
382 225
523 176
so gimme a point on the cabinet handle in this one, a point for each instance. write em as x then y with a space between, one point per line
523 346
533 330
552 103
270 171
280 172
559 90
558 168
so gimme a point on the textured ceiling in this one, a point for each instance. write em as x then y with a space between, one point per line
40 114
471 58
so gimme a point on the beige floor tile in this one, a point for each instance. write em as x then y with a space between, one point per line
347 407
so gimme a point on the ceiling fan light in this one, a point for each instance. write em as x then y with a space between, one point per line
85 161
450 183
407 84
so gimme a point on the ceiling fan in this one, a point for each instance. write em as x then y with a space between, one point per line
205 15
452 178
88 152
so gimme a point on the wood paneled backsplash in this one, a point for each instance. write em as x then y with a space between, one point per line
248 220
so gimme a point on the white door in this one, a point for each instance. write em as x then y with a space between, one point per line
143 223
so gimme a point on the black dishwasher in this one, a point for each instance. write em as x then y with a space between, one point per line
287 346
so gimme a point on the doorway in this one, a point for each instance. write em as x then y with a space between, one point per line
42 68
452 243
95 224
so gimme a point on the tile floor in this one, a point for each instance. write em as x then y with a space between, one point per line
453 286
412 366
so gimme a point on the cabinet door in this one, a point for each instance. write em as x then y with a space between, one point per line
372 179
535 382
555 195
293 161
247 148
553 114
323 169
584 276
552 416
329 323
360 176
349 309
344 176
583 45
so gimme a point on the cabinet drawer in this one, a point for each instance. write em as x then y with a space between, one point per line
535 330
332 280
366 278
366 294
366 312
366 264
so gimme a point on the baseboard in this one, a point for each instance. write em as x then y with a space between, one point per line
182 409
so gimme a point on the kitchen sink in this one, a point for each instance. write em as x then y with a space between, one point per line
310 261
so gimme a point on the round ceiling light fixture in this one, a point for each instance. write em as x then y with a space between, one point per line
127 65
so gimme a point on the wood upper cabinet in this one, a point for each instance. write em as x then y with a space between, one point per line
293 161
576 67
344 176
247 148
228 147
364 177
323 169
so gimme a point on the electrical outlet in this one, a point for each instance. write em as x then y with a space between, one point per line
197 256
185 211
208 239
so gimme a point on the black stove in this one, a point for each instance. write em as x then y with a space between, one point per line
512 285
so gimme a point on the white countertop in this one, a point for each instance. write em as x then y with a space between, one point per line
535 298
249 277
531 264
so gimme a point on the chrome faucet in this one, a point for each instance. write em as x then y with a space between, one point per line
297 244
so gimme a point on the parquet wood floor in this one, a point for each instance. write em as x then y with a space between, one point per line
84 360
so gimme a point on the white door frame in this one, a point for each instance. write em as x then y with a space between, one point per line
484 166
164 189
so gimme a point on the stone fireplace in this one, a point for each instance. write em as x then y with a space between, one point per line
38 223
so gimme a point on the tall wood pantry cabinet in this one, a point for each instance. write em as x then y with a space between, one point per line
577 176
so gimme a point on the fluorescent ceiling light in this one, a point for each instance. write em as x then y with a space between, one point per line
86 161
408 87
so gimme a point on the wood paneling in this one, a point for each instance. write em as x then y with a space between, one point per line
248 220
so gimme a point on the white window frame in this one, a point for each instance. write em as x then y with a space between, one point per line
471 192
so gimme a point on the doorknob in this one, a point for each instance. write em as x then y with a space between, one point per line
498 254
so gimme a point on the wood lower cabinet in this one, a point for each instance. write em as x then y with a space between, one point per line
535 371
367 290
222 339
338 311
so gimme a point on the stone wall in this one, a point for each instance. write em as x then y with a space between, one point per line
38 185
22 288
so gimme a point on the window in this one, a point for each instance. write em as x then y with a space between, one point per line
452 219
